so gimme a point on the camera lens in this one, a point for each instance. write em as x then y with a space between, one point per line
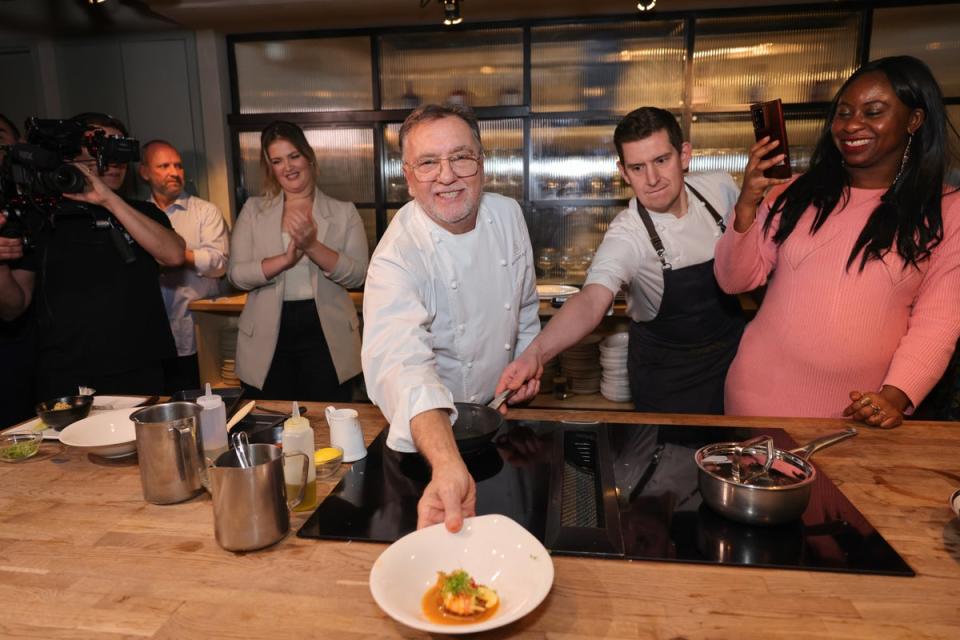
69 179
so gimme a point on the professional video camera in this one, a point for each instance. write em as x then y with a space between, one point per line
35 175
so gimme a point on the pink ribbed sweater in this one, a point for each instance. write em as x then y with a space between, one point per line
822 330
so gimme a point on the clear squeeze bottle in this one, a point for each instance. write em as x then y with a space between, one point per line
298 438
213 424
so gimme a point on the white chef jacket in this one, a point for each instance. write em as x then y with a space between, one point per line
445 313
201 225
626 254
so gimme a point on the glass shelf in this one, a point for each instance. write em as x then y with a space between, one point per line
298 76
609 67
574 160
797 57
481 68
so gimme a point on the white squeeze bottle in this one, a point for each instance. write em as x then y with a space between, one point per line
213 424
298 438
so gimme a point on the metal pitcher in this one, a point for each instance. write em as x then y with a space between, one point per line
250 506
170 451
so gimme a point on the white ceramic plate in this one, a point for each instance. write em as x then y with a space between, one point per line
955 502
493 549
117 402
110 434
548 291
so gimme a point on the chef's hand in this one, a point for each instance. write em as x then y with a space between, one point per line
450 497
882 408
10 248
523 376
755 184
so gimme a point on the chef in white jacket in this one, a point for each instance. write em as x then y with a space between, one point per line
450 299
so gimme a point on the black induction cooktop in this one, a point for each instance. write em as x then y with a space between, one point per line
609 490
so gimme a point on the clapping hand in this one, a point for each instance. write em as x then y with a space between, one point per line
301 227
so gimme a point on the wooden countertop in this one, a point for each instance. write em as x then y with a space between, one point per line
234 304
82 555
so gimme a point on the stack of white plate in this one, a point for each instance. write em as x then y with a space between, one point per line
228 357
550 371
614 385
580 364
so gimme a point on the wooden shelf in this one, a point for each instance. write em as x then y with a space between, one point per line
591 401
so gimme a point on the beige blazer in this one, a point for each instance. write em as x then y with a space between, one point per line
256 236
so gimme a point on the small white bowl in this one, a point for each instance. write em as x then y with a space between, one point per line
493 549
955 502
109 434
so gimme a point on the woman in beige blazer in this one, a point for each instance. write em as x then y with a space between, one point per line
297 251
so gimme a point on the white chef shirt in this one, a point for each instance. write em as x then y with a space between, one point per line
201 225
626 254
445 313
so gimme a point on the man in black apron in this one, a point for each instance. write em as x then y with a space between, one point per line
684 330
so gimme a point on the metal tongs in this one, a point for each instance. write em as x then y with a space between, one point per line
744 475
241 442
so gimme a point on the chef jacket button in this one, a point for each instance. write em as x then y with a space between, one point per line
506 346
470 365
507 306
503 262
453 284
460 328
473 398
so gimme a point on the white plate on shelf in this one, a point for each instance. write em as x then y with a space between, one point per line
117 402
493 549
548 291
109 434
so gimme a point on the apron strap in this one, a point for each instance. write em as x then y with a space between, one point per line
713 212
655 237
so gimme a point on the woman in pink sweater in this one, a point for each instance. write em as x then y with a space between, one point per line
861 256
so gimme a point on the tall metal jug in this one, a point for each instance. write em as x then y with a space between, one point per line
250 506
170 451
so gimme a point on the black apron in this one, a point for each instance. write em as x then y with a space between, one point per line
678 361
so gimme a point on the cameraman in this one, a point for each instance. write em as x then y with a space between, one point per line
17 344
94 278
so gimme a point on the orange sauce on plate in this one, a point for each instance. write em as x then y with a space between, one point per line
432 606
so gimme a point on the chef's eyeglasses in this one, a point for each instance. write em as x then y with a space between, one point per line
462 165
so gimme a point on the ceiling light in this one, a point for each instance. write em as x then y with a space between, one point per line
96 1
646 5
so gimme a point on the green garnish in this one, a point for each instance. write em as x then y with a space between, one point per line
19 450
458 583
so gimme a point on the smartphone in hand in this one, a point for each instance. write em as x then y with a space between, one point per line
767 118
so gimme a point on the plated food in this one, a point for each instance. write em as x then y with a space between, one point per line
456 598
493 551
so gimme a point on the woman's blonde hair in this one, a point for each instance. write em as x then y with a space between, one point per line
281 130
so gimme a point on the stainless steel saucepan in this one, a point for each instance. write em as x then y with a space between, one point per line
755 483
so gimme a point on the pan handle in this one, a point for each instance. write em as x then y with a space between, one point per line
813 446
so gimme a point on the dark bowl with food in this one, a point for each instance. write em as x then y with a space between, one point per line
60 412
475 426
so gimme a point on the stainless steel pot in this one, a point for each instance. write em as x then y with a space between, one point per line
755 483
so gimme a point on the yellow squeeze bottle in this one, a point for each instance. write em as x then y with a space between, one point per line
298 438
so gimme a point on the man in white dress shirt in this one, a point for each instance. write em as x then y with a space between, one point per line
684 330
450 299
202 227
